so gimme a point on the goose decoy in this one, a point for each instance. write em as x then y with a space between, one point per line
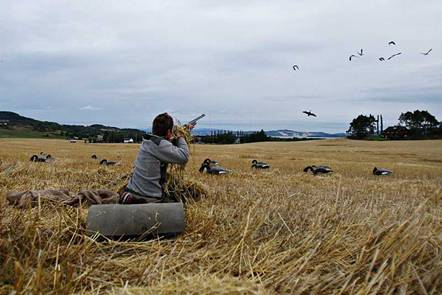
211 162
107 163
260 165
381 171
46 156
351 56
318 169
309 113
36 158
206 167
94 157
295 67
361 53
391 43
381 59
399 53
426 53
42 157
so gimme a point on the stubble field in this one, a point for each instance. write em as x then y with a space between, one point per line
276 231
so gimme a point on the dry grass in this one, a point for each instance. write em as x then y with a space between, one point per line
277 231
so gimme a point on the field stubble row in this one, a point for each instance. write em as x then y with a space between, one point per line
276 231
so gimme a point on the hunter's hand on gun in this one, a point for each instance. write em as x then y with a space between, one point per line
189 127
184 130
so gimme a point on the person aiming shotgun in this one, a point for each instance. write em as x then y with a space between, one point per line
156 152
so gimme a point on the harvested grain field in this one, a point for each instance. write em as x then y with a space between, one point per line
275 231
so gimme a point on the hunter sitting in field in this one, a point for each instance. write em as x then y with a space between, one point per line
157 151
148 181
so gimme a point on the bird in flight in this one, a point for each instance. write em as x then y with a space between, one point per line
361 53
391 43
381 59
295 67
426 53
394 55
351 56
309 113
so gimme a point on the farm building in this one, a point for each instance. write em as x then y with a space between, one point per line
396 132
130 140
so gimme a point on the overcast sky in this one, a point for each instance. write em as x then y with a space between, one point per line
122 62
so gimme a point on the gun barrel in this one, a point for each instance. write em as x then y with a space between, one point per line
193 122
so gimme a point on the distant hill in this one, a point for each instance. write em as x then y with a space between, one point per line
15 125
286 133
283 133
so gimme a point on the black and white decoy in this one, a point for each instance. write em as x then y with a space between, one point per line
212 169
36 158
426 53
107 163
318 169
42 157
260 165
211 162
396 54
381 171
351 56
94 157
391 43
309 113
295 67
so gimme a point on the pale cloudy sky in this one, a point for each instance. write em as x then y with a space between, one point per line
122 62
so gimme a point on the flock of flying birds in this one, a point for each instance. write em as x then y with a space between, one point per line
391 43
359 54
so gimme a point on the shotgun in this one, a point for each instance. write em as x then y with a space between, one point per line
185 129
193 122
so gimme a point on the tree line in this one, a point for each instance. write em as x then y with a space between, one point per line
231 137
411 125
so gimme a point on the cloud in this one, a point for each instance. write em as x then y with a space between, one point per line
231 61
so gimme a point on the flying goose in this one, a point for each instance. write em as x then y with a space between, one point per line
318 169
361 53
295 67
351 56
391 43
309 113
260 165
396 54
426 53
381 171
381 59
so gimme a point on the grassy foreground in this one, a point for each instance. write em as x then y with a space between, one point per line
277 231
